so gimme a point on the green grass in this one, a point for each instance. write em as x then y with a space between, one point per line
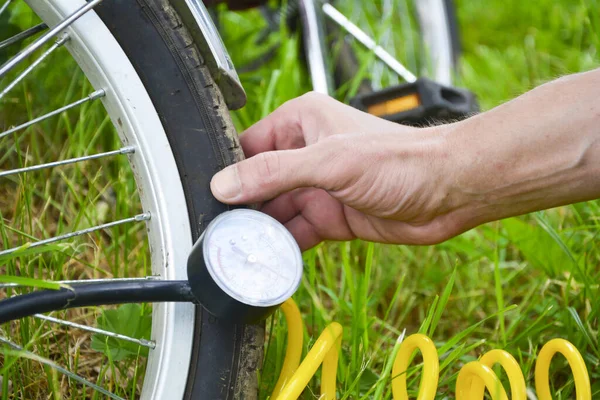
518 283
513 284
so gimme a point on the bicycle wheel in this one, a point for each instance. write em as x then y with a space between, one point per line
429 45
175 131
439 28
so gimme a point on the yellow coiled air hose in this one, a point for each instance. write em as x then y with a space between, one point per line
472 379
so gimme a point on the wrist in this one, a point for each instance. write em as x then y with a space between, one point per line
529 154
487 173
471 185
447 197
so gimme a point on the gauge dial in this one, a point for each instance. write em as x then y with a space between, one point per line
252 258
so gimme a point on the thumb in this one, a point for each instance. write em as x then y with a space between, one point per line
267 175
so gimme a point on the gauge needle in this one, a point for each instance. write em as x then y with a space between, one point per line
239 251
272 270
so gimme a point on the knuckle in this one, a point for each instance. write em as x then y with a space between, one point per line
310 101
290 105
313 96
268 169
308 111
315 100
336 165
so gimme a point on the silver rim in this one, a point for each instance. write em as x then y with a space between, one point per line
433 18
145 144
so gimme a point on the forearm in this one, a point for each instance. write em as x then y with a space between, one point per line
538 151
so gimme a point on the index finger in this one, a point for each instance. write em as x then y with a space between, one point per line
302 121
280 130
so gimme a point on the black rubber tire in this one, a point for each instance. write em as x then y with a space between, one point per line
226 357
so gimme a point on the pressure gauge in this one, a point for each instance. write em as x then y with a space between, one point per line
244 266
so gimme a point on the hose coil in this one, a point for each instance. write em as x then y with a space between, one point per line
473 379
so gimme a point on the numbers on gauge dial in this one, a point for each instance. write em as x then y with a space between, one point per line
247 263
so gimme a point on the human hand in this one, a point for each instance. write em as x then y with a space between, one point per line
328 171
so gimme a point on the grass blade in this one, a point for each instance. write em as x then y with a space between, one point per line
31 282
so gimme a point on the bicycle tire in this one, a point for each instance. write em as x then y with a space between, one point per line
196 120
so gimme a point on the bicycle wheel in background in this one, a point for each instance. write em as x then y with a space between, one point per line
416 49
429 43
171 132
439 26
428 47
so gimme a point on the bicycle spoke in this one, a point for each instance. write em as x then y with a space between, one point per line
34 64
19 37
47 37
93 96
4 6
51 364
124 150
137 218
142 342
369 43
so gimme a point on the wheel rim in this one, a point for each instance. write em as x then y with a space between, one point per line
433 18
133 115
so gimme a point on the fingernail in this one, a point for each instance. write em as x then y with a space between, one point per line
226 184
